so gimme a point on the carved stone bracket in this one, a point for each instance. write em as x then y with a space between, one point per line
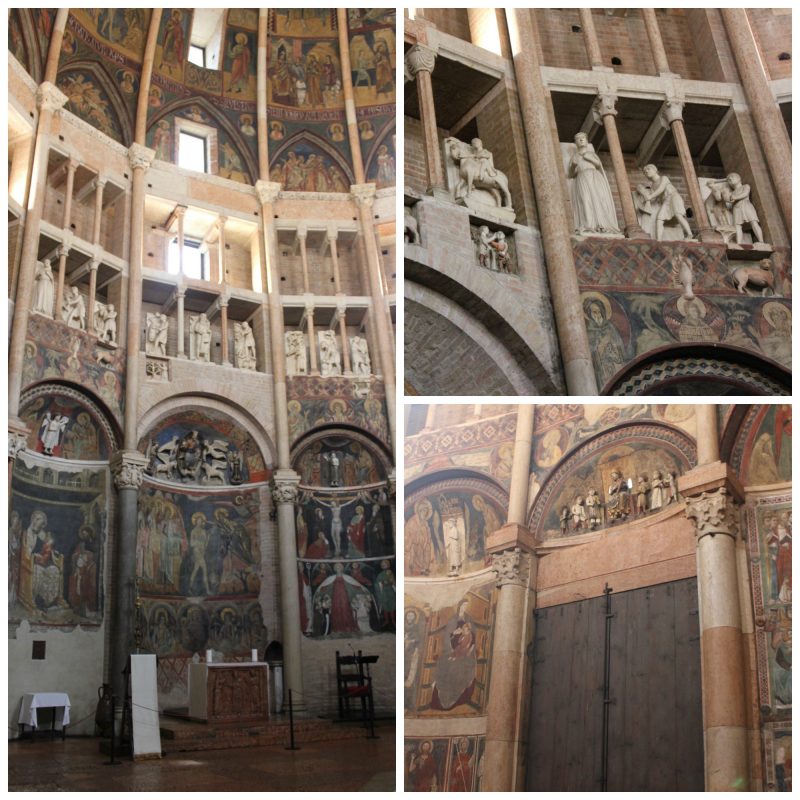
420 58
17 442
363 194
605 104
267 191
513 568
714 513
49 97
128 468
284 487
141 157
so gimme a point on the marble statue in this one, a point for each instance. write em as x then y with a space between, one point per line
743 211
683 276
73 310
244 345
760 278
296 360
592 203
657 491
475 181
329 358
200 338
593 509
658 202
578 514
44 293
617 503
156 330
105 322
410 227
359 356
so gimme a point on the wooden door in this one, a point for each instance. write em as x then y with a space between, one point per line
655 731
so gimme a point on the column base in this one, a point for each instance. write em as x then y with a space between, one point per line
635 232
710 235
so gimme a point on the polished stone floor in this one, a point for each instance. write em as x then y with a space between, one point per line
77 765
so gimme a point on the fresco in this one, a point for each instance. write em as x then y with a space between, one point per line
303 21
57 529
307 167
347 598
239 62
769 458
305 74
173 42
372 60
425 762
448 652
53 350
123 28
338 461
87 99
315 401
769 522
203 447
777 739
446 525
381 164
623 326
65 427
16 40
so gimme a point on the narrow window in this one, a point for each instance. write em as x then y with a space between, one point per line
192 152
194 259
197 55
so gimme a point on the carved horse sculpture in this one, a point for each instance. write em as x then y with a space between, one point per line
476 170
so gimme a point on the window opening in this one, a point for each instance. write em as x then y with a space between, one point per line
192 152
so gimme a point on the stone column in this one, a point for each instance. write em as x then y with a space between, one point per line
181 321
712 495
604 111
419 62
513 628
590 38
349 98
127 467
364 196
521 466
672 116
656 42
49 100
66 237
341 315
284 495
93 265
180 213
223 321
341 310
140 158
765 111
261 94
313 365
547 172
223 278
99 186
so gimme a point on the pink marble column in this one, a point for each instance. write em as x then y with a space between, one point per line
656 42
590 37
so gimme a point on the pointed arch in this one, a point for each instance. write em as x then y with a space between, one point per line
384 134
317 142
34 64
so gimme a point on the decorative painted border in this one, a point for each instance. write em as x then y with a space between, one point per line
462 437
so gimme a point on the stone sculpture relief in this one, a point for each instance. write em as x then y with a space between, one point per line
730 209
296 358
359 356
329 358
683 276
193 459
659 203
244 345
199 338
105 322
494 252
410 227
592 203
475 182
43 293
73 309
156 329
760 278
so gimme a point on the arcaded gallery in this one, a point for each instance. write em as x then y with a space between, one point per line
597 201
201 385
598 597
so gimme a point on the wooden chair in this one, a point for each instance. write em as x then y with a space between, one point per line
353 682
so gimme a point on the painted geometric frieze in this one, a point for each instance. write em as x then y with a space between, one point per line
446 526
448 764
206 448
448 654
56 545
624 474
769 542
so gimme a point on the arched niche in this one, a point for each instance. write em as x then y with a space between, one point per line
608 467
448 517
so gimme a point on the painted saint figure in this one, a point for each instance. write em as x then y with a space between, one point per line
51 430
456 669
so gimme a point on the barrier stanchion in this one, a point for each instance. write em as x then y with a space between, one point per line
292 745
111 761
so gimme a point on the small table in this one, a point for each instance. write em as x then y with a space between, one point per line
32 701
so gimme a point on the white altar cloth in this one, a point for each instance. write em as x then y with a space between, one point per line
32 701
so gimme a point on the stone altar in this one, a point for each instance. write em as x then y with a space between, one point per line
229 692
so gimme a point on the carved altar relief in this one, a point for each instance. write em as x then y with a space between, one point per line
156 329
329 356
359 357
296 356
244 345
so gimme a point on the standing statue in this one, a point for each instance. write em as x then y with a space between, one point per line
592 203
43 294
659 202
475 170
200 338
359 355
51 431
244 345
156 329
73 309
743 210
105 322
329 358
296 360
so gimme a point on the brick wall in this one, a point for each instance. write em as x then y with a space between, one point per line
414 154
448 20
772 28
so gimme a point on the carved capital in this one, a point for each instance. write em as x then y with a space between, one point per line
420 58
363 194
672 111
17 442
94 264
99 184
267 191
605 105
50 98
713 513
284 487
141 157
127 467
66 243
513 568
